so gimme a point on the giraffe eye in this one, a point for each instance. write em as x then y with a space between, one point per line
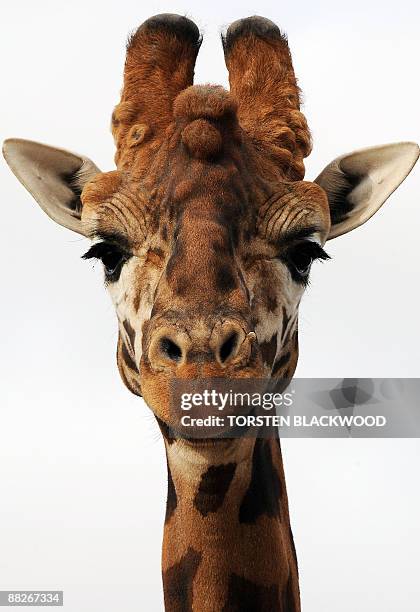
299 258
112 256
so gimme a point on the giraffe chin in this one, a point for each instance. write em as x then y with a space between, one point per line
161 391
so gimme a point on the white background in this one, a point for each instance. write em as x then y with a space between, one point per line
82 471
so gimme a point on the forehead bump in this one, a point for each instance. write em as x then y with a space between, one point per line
207 113
202 139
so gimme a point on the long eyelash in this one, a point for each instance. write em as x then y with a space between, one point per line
313 249
106 241
96 251
316 250
101 251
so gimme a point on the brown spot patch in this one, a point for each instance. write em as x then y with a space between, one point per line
213 487
281 363
225 279
131 335
247 596
128 360
171 500
264 491
270 297
178 582
268 350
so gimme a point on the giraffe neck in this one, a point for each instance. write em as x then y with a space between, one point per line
227 542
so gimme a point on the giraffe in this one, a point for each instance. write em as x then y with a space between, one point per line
207 232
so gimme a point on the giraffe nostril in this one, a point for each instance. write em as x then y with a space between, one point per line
170 349
228 347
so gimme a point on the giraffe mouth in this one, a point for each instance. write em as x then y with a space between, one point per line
215 434
206 443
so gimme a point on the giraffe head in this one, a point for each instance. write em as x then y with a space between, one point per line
206 229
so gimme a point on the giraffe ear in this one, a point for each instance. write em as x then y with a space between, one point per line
54 177
359 183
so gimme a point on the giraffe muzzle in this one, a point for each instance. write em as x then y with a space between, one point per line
226 344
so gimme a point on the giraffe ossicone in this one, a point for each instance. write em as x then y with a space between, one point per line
207 232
